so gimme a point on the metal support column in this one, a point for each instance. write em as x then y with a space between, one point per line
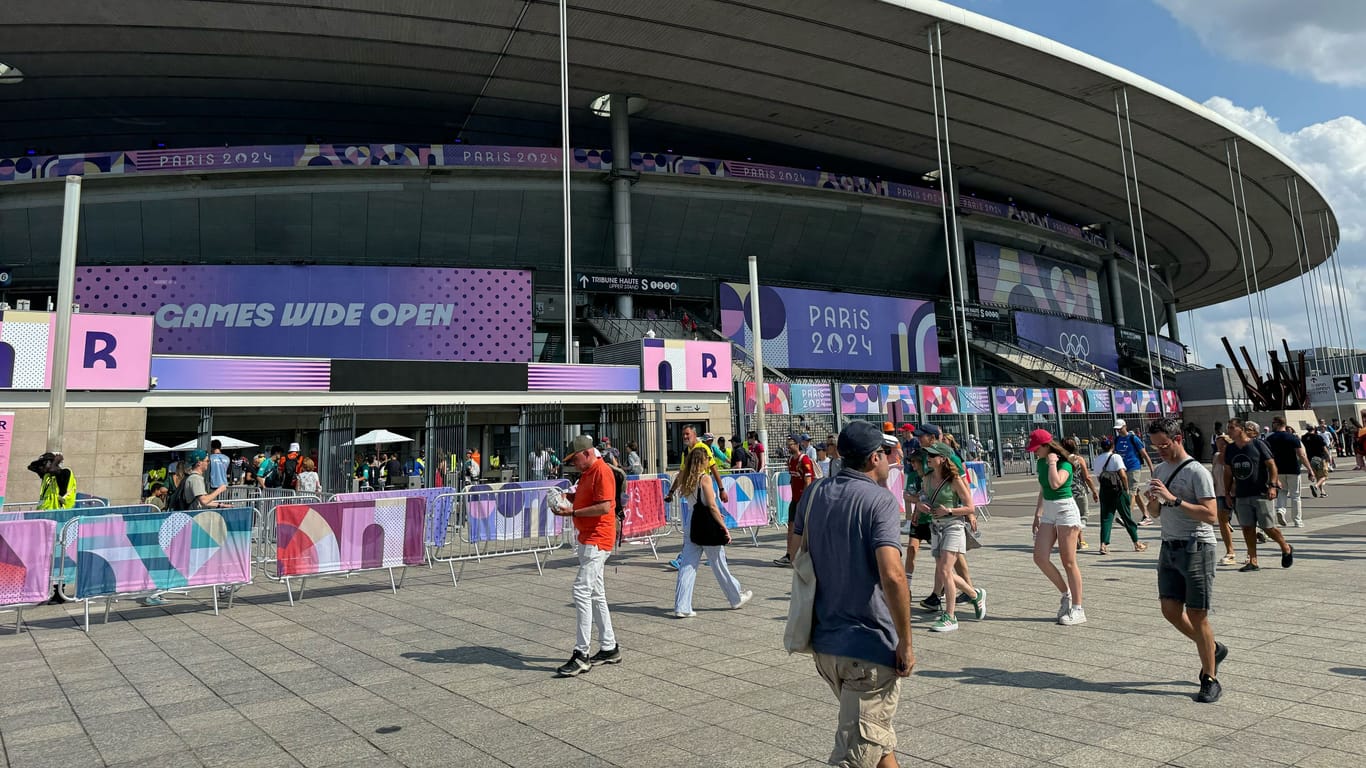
66 288
947 203
1173 330
569 350
205 435
622 177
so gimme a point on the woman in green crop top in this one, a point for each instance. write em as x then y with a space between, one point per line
949 503
1057 521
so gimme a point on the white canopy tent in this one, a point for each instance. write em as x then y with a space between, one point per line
379 437
229 443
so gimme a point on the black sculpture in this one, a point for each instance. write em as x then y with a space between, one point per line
1284 391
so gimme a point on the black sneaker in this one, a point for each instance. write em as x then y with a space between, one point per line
1288 558
604 656
1314 489
1251 566
1220 653
1210 690
931 604
577 665
963 599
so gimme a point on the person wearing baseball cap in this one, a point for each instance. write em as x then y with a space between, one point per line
948 502
592 506
930 435
861 633
1057 520
1130 448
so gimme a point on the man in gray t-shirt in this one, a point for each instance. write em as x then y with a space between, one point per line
1181 495
861 633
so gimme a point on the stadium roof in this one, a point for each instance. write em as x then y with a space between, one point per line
848 81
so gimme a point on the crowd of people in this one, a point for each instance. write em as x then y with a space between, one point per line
846 533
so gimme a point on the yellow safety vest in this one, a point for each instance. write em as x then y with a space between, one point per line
50 497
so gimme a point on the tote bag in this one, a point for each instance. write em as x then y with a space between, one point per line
801 611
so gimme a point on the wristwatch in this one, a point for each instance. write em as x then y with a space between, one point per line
1172 503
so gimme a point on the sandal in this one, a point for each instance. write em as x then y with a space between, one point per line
1104 550
1140 546
1229 559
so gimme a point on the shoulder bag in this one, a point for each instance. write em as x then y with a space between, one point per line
703 530
801 611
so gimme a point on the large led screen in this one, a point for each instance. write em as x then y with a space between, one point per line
1007 276
1092 342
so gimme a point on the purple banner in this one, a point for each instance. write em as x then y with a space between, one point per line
1007 276
208 159
860 398
835 331
1172 350
1080 339
240 374
582 378
374 313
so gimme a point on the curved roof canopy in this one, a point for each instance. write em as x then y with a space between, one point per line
796 82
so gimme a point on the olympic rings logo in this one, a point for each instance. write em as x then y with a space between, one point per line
1075 345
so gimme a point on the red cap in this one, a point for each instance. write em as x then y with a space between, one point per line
1037 438
907 427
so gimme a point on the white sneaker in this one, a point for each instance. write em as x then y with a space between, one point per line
1280 518
745 597
1075 616
1064 605
682 615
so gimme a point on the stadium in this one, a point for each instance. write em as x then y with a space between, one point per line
943 210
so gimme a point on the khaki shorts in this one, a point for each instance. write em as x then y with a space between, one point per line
1318 467
868 695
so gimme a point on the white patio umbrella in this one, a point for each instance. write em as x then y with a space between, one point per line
379 437
229 443
151 446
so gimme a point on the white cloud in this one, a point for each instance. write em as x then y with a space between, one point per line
1333 154
1324 39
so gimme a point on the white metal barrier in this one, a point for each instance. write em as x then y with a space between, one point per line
469 526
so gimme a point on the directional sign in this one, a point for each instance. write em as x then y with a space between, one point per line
633 284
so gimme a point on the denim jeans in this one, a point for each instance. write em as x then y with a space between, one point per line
590 600
687 574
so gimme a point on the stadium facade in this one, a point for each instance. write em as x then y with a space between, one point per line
352 213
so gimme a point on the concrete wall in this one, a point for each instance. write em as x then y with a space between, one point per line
102 446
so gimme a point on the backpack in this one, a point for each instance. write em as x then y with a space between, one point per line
619 483
178 501
287 473
1110 477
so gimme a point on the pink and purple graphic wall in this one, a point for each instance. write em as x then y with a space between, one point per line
373 313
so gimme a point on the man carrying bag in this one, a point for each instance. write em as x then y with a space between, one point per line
850 605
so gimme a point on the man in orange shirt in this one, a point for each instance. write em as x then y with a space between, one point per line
595 522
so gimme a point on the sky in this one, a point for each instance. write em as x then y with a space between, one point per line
1292 73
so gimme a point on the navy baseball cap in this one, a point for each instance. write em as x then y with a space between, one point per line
859 439
929 429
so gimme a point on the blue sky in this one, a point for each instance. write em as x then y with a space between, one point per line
1145 38
1293 73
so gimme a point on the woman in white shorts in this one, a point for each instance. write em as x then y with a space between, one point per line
1057 521
949 501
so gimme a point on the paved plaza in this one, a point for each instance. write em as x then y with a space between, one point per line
357 676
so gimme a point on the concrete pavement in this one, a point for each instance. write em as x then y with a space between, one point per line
357 676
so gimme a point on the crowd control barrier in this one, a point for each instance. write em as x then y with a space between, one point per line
26 548
345 537
482 522
746 504
86 502
263 524
979 482
432 498
67 520
126 555
647 515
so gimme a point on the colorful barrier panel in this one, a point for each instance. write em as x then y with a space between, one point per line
26 548
512 519
438 508
163 551
347 536
68 523
979 482
746 504
896 484
647 516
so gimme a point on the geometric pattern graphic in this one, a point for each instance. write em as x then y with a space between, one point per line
164 550
436 503
937 401
860 398
1010 400
342 536
645 510
64 567
978 482
510 511
1071 401
1171 402
1007 276
1137 401
777 403
747 500
1041 401
26 560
